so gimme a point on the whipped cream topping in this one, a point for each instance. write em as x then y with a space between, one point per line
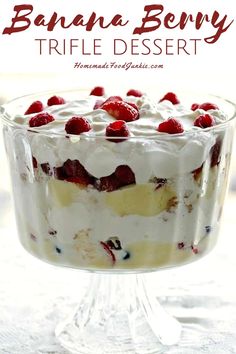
151 114
148 152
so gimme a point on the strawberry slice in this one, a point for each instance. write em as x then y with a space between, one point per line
121 110
133 105
108 183
98 104
125 175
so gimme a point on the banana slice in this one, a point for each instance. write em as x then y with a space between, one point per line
142 199
63 193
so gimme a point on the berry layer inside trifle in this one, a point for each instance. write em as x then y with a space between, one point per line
110 182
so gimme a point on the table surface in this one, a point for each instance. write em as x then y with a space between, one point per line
35 296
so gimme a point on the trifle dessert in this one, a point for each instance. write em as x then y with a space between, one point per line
129 182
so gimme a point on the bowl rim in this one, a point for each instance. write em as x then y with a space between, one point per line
6 118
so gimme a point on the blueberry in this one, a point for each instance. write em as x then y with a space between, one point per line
208 229
127 255
58 250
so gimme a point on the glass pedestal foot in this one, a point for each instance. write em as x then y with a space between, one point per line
119 314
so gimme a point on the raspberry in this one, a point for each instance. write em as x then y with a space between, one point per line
207 106
195 106
55 100
204 121
98 91
170 126
108 183
77 125
121 110
135 93
98 104
170 96
73 168
133 105
117 129
41 119
125 175
35 107
215 153
58 173
35 162
108 251
73 171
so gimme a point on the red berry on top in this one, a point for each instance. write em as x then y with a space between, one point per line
195 106
170 96
77 125
55 100
133 105
98 104
125 175
35 107
171 126
207 106
204 121
41 119
121 110
135 93
97 91
113 99
117 129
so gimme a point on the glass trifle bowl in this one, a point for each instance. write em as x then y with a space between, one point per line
118 187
